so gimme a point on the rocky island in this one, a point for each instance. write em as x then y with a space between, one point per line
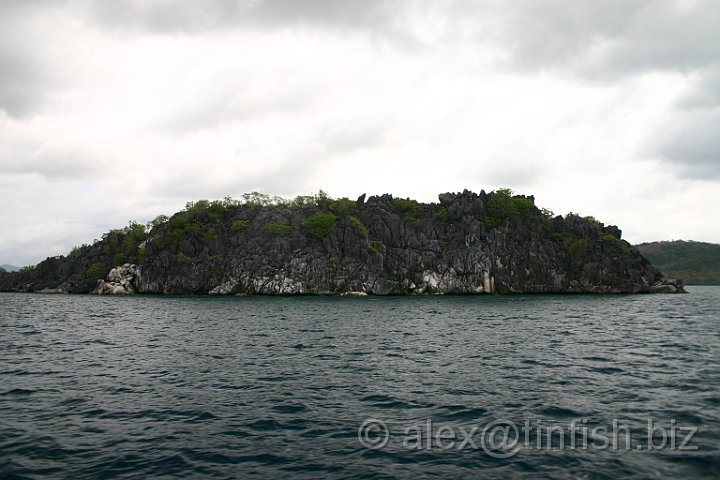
467 243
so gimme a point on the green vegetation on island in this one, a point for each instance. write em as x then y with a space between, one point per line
697 263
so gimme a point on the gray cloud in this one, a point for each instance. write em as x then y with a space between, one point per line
691 143
26 73
705 93
693 146
629 35
596 40
22 81
51 163
191 16
606 39
365 14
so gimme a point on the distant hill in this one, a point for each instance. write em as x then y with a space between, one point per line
10 268
696 263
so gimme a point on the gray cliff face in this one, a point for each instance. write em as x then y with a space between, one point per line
465 244
445 248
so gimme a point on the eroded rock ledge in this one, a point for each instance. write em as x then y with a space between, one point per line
120 281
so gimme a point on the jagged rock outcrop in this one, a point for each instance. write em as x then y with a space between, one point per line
468 243
119 281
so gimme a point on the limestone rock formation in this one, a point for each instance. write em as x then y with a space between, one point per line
468 243
119 281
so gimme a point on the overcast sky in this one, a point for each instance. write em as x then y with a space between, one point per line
113 111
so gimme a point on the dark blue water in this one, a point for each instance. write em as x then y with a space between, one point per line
196 387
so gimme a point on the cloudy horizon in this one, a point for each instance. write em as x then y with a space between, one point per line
119 111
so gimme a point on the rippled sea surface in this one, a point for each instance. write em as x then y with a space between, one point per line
199 387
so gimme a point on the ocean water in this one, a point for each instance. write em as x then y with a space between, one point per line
326 387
